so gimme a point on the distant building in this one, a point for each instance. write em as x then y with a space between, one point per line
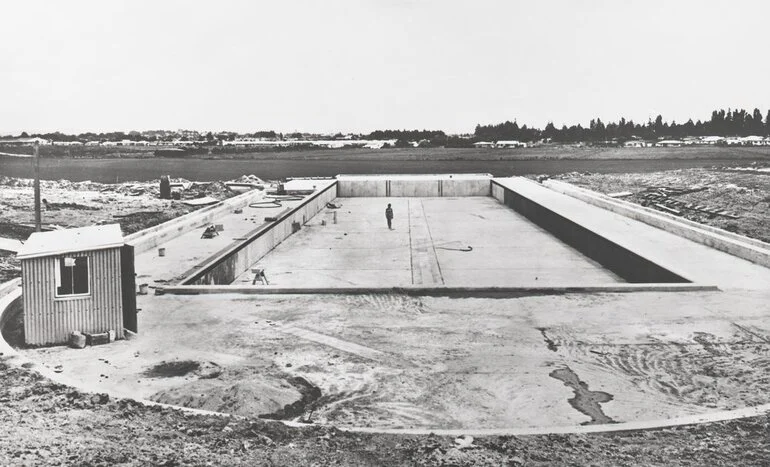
710 140
25 141
754 141
636 144
670 143
510 144
77 280
379 144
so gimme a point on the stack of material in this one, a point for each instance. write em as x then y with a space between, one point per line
661 198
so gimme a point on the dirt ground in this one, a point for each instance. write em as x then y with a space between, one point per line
46 423
742 191
133 205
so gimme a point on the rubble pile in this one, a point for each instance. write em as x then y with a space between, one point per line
727 198
187 188
10 267
253 179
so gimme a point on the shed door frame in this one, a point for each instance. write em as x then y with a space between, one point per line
128 284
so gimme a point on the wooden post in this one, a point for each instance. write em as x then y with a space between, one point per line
36 162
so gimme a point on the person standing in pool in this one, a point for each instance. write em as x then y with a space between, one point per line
389 216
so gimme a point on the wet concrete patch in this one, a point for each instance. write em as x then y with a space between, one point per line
552 346
585 401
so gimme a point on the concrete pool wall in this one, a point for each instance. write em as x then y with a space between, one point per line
413 186
622 261
227 264
151 237
750 249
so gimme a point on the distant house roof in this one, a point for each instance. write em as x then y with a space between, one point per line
97 237
24 140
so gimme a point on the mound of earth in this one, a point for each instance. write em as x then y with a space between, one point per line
247 397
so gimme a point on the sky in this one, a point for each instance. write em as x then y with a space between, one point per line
362 65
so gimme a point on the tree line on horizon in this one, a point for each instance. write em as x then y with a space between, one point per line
723 123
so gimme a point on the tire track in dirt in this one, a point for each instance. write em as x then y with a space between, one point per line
387 302
707 371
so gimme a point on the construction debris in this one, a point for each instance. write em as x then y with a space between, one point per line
77 340
661 199
464 442
210 232
99 338
165 187
727 198
259 275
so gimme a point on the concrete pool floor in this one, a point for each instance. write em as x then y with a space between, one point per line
425 248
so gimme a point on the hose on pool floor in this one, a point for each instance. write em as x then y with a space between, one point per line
466 249
266 204
274 202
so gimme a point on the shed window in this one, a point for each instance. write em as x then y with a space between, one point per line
71 276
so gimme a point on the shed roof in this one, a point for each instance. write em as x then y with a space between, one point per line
97 237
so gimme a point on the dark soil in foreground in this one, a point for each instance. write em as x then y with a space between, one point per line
45 423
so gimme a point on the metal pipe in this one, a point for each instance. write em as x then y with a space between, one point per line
36 163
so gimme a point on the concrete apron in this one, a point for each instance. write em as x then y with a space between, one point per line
14 358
